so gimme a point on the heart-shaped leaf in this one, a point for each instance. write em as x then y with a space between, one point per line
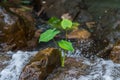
66 45
65 23
48 35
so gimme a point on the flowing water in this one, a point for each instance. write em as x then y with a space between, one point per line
99 69
15 65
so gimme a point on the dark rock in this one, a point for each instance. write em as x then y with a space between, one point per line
105 52
115 53
108 26
4 60
16 29
59 7
73 69
42 64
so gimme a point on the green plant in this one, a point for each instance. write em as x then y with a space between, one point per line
66 46
48 35
54 22
51 33
65 23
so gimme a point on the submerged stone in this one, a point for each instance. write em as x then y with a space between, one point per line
42 64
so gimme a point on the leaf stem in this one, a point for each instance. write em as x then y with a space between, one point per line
55 43
66 34
62 59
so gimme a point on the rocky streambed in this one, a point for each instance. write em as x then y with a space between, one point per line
77 67
96 43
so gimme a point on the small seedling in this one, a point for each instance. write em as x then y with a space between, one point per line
66 46
51 33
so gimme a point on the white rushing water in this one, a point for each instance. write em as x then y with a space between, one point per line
99 69
102 70
16 64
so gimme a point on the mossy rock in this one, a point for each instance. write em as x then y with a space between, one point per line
41 65
19 32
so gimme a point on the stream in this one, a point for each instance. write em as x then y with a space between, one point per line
99 69
12 63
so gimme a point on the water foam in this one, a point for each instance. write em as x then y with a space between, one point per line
101 69
18 61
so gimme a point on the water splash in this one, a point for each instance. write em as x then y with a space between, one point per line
99 69
16 64
102 70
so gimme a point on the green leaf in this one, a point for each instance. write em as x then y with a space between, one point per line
25 2
66 45
75 24
54 22
48 35
66 23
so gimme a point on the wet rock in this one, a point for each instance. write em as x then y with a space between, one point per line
42 64
115 53
84 16
58 10
101 9
90 24
79 34
105 52
108 26
3 60
73 69
59 7
16 29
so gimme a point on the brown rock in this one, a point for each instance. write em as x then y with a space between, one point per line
16 28
79 34
3 60
73 69
115 53
41 65
25 13
59 7
90 24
